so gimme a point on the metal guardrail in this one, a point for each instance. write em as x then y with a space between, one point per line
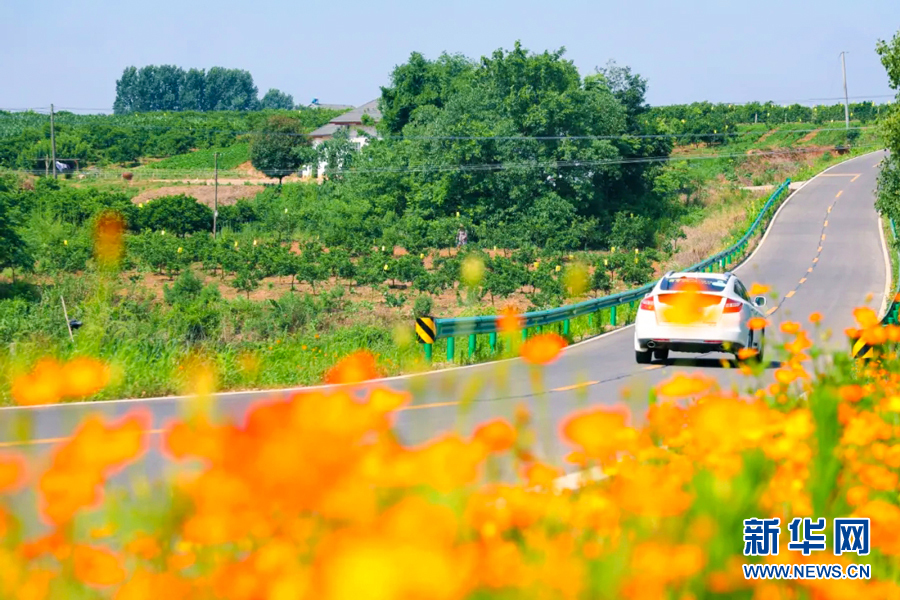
473 326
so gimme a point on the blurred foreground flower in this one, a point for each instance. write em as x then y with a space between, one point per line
108 238
49 381
543 348
355 368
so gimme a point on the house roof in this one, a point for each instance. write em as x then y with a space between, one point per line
333 106
355 115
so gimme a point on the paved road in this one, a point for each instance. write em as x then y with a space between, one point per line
823 253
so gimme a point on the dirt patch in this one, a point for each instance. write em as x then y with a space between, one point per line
809 136
766 135
205 194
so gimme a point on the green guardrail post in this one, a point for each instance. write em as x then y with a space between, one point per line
492 340
524 333
428 349
471 345
566 327
451 349
591 321
612 316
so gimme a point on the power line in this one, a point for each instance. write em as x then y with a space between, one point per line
483 167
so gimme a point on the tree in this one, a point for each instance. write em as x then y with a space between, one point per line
277 99
177 215
600 280
504 277
13 252
338 153
230 89
280 149
889 179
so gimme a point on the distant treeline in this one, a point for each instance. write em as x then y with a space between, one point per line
705 118
171 88
123 139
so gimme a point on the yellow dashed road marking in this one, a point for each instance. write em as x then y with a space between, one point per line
57 440
789 294
839 194
574 387
802 281
826 223
815 260
651 367
855 178
830 207
434 405
823 236
820 249
809 270
771 310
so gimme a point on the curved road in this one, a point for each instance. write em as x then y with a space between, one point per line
823 252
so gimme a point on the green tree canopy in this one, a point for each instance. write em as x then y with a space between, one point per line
277 99
280 149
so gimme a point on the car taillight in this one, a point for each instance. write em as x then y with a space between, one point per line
732 306
647 303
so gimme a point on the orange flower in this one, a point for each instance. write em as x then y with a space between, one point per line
684 385
510 321
745 353
757 323
815 317
865 316
12 471
496 435
541 474
355 368
758 289
542 349
97 566
144 546
874 336
599 432
43 385
790 327
851 393
84 377
386 400
108 238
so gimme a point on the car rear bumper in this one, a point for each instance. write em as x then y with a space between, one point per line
688 339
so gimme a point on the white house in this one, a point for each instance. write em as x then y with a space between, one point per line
352 121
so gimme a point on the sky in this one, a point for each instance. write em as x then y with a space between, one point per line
71 53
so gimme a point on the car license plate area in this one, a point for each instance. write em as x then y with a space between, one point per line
689 309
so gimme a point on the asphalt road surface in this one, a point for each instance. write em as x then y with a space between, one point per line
823 252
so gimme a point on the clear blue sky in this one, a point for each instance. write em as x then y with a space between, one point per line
71 53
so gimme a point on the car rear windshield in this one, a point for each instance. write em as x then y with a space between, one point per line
705 285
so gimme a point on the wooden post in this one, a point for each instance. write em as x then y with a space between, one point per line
66 314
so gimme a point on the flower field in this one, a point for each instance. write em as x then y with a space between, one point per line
315 497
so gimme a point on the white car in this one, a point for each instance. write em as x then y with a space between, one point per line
723 309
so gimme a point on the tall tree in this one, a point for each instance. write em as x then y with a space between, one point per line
193 90
277 99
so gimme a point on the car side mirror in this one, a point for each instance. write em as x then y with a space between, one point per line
760 301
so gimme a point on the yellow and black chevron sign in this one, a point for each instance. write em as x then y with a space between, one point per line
425 330
862 349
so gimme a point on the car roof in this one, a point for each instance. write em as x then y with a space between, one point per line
688 274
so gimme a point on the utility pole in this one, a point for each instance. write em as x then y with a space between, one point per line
216 194
846 98
52 142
